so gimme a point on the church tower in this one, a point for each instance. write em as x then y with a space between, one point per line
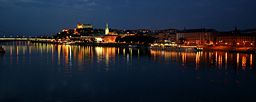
106 30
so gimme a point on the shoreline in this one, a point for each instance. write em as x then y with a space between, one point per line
230 49
120 45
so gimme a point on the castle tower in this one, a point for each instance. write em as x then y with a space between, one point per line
106 30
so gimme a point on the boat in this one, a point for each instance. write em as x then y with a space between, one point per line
132 46
2 50
198 49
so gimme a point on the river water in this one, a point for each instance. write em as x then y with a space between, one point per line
32 72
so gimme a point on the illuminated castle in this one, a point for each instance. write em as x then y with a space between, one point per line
84 26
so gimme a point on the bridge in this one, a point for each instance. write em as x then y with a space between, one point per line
25 39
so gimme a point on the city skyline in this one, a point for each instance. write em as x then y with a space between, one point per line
39 17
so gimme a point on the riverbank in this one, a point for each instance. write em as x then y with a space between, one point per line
122 45
174 48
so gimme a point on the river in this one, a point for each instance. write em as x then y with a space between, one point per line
32 72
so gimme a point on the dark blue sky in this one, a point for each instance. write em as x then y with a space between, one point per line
50 16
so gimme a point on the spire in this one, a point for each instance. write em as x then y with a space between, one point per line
106 25
107 29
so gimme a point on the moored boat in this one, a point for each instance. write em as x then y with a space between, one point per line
132 46
197 49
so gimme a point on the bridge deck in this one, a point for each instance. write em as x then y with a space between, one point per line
24 39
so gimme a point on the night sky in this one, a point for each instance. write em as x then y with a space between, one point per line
39 17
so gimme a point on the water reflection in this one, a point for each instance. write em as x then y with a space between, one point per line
63 72
208 59
81 56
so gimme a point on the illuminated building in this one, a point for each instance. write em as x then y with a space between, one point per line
68 31
236 38
110 38
84 29
143 31
163 36
196 36
98 39
84 26
86 38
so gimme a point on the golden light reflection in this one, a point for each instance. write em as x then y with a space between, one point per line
211 57
118 51
251 61
67 58
220 61
226 60
66 53
204 59
216 58
153 53
167 55
52 50
41 49
197 59
11 51
17 54
75 53
244 62
17 50
130 51
107 57
237 59
82 55
24 50
99 53
30 50
138 52
184 58
123 52
59 51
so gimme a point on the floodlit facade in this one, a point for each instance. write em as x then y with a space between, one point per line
196 37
